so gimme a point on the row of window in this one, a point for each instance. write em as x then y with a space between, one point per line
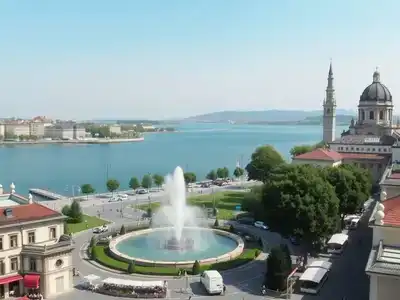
14 265
372 115
31 238
362 149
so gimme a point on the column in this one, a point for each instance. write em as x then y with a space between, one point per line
373 287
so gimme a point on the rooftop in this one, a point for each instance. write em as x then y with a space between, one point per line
392 211
12 200
384 260
369 156
26 213
365 140
320 154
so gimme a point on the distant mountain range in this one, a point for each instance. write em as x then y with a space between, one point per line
272 117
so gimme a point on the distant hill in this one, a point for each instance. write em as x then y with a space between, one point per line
270 116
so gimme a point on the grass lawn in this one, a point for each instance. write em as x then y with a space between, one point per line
225 202
102 257
88 222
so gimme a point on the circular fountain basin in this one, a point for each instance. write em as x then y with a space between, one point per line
146 247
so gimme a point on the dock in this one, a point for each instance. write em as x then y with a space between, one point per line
46 194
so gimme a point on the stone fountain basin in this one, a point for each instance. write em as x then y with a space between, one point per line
178 264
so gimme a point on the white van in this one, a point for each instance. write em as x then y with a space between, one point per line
354 223
212 281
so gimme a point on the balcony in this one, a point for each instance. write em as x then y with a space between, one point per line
48 249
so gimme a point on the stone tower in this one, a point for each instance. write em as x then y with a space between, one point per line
329 106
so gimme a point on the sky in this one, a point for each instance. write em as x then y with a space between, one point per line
162 59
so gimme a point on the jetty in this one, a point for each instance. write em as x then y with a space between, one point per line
46 194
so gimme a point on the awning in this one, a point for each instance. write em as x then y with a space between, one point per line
31 281
24 298
10 279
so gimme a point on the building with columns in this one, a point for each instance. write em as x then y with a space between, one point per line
34 252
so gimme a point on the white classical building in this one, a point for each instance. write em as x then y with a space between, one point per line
34 253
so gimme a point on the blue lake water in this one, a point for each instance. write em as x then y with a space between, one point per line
151 246
196 147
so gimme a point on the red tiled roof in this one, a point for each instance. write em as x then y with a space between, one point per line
392 211
362 156
26 213
320 154
395 176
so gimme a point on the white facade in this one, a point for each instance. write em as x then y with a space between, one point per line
329 106
115 129
64 133
15 130
365 148
2 130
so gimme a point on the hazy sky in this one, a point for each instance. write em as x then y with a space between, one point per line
172 58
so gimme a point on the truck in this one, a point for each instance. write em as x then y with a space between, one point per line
212 281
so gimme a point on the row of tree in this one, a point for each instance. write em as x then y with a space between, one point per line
150 180
304 201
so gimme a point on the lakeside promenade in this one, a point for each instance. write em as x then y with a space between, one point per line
102 199
73 142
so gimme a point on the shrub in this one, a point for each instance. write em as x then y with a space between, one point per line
257 253
93 253
92 242
216 223
131 267
149 212
122 231
277 269
215 211
66 210
196 268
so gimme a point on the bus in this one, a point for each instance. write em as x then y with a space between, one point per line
314 277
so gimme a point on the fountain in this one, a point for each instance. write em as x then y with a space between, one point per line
176 237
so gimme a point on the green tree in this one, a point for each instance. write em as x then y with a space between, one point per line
190 177
225 172
347 189
66 210
252 202
220 173
147 181
216 223
92 242
263 160
212 175
300 149
134 183
238 172
363 176
132 267
76 214
122 231
93 253
196 268
277 270
112 185
158 180
299 202
87 189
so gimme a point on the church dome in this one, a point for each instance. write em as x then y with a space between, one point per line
376 91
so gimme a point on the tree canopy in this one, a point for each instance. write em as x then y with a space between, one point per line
87 189
75 212
301 149
238 172
158 179
263 160
347 188
147 181
363 176
223 172
134 183
190 177
299 202
212 175
112 185
278 269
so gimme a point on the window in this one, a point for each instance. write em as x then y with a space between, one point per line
1 243
357 149
13 241
381 115
32 264
2 268
371 115
362 115
373 149
14 264
31 237
53 234
384 150
352 148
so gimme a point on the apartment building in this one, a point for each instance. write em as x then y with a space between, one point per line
65 131
2 130
34 253
115 129
17 128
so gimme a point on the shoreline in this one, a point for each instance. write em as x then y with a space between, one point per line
73 142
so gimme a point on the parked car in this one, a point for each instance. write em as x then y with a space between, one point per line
122 197
141 191
114 199
100 229
260 225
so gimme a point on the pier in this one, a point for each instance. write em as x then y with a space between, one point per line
46 194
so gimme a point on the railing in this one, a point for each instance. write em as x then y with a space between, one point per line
47 248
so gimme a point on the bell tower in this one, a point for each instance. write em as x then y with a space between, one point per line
329 106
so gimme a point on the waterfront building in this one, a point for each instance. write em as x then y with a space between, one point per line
115 129
34 253
65 131
43 119
36 128
2 130
369 140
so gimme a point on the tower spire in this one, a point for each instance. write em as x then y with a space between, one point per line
330 68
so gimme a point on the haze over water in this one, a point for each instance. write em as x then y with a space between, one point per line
196 148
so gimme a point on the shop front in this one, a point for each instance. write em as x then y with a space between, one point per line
32 286
10 286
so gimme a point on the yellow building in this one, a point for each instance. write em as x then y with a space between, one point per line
34 253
